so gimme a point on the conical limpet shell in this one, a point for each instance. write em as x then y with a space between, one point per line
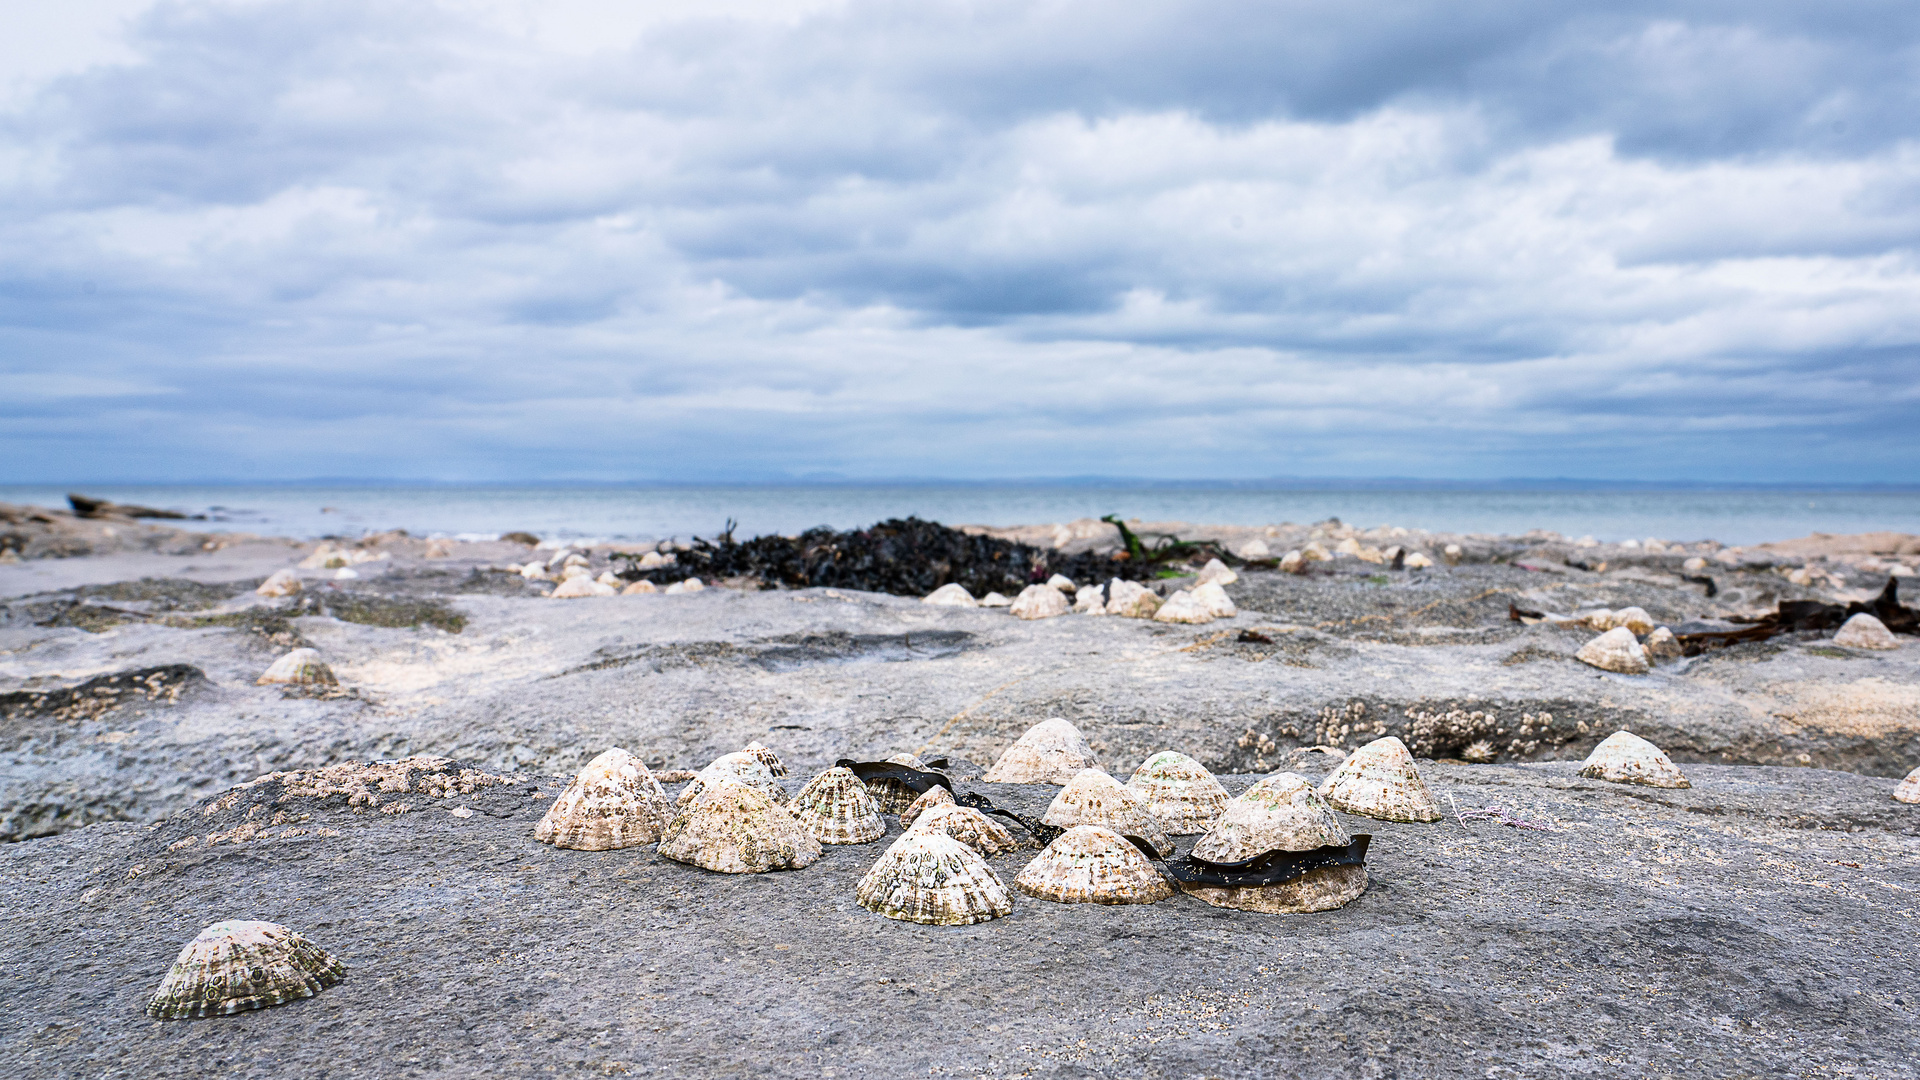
614 803
892 796
970 827
1040 602
738 766
280 583
775 767
1909 789
836 809
1280 813
734 829
1615 650
929 877
1094 798
1179 792
239 965
952 594
1051 752
1380 781
1184 607
301 666
1090 864
1864 631
1626 758
935 796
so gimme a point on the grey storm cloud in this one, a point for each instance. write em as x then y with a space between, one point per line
970 239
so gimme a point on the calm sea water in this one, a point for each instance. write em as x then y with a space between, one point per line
651 513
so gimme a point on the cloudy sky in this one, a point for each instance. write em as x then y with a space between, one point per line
729 239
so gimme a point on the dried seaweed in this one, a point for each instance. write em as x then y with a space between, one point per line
904 557
1266 868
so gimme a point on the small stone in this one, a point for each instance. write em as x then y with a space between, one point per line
1863 631
1626 758
952 594
1615 650
1040 602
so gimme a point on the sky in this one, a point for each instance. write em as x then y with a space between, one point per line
727 240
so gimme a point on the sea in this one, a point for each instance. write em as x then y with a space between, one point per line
588 512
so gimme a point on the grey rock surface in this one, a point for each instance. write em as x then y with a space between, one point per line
1760 923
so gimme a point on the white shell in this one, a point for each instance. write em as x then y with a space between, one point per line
1661 644
1863 631
1091 600
581 585
935 796
280 583
1255 549
1094 798
639 588
692 584
1215 600
734 829
301 666
1417 560
970 827
836 809
1183 607
1615 650
1179 792
1040 602
952 594
1062 582
614 803
1090 864
741 767
994 599
1909 789
1280 813
1051 752
765 756
1626 758
1131 599
929 877
1381 781
239 965
1217 573
1315 551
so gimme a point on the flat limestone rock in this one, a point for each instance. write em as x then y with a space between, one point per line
1616 650
1626 758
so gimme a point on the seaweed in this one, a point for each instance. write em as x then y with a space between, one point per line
901 556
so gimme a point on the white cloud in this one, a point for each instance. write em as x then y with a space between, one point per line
515 239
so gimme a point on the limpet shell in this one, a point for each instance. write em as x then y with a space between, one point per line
1909 789
775 767
1051 752
935 796
1094 798
892 796
1280 813
836 809
240 965
1179 792
970 827
929 877
301 666
1626 758
1091 864
735 829
1380 781
740 767
614 803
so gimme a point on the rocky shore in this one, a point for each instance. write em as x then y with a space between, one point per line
1756 923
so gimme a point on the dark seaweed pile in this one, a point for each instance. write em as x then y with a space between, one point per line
906 557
